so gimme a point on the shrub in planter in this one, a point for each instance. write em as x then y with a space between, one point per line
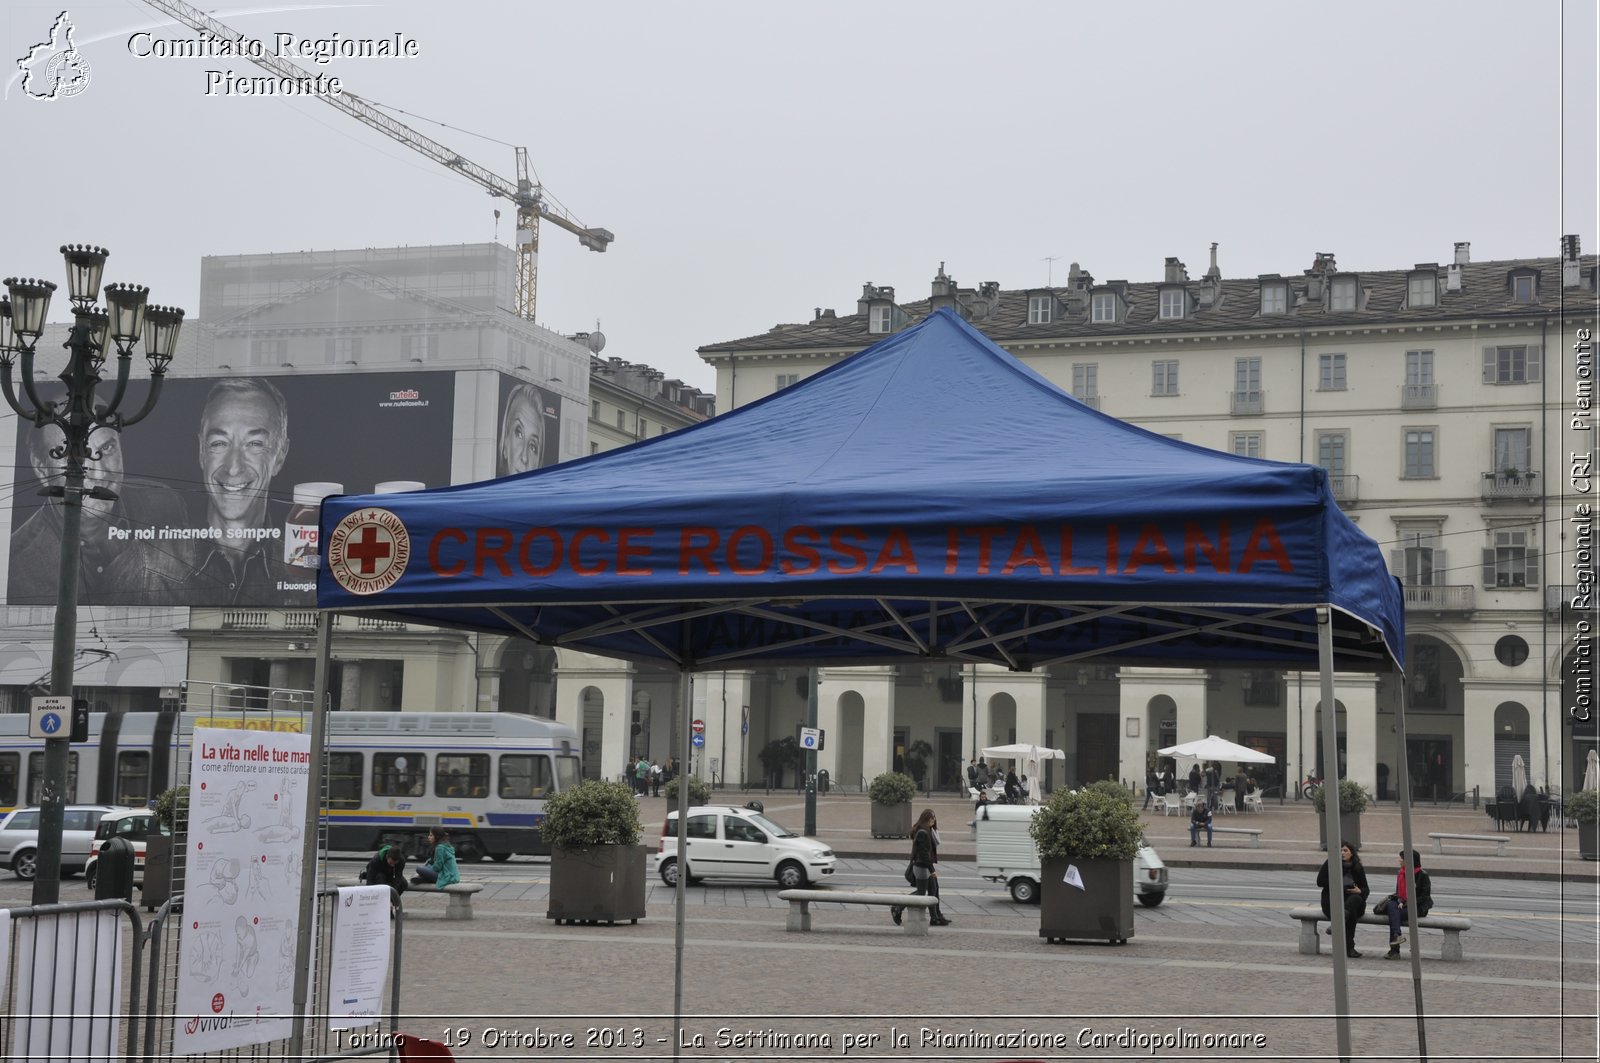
1096 834
597 871
892 794
1584 806
1353 800
1111 788
699 792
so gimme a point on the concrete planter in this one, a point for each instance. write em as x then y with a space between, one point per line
891 821
1588 841
1349 830
1101 911
604 884
158 867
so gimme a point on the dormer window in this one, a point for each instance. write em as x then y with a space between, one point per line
1342 294
1524 287
1103 307
1172 303
1041 309
1422 289
1275 298
881 319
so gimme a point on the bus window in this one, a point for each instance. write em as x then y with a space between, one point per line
523 776
568 773
461 775
36 775
133 778
10 766
344 780
398 774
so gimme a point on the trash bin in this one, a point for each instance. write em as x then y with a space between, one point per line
822 781
113 873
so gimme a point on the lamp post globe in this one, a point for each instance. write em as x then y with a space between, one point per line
78 415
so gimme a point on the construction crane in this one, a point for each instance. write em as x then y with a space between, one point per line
527 195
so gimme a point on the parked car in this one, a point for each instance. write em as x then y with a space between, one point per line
19 839
729 842
133 824
1007 853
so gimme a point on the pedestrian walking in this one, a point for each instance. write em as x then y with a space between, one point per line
655 779
924 869
1354 889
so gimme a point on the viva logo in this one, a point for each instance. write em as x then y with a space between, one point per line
197 1024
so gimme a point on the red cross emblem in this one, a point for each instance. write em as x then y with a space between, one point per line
368 551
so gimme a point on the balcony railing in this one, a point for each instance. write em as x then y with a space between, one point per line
1419 396
1246 402
1439 598
1346 488
245 619
1503 486
1558 599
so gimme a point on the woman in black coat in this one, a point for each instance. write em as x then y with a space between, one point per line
1354 888
925 866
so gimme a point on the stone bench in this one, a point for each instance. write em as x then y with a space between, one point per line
1253 833
915 920
1452 925
1499 840
458 896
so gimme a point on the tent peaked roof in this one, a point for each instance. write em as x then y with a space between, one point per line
928 497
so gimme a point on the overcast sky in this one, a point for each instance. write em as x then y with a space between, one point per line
757 160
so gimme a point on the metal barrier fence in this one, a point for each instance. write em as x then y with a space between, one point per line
77 981
71 980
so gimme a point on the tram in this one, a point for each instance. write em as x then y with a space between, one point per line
388 776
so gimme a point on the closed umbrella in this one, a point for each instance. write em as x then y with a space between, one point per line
1591 775
1519 775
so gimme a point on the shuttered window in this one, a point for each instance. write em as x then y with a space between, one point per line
1521 363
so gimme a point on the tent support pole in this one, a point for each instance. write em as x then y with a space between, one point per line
308 850
1330 816
810 830
1407 847
679 891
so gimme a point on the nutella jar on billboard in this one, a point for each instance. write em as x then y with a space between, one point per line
300 529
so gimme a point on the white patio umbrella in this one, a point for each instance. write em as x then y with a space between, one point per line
1028 757
1519 775
1591 774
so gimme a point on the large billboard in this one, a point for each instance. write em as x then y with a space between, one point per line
529 435
217 490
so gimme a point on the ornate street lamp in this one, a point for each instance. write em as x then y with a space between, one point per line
78 415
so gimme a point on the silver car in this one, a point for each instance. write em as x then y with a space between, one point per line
19 839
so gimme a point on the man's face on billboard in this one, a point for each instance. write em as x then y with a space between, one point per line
522 436
103 467
240 452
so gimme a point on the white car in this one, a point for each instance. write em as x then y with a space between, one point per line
729 842
19 839
136 825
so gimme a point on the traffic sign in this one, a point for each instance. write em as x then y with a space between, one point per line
698 727
810 738
697 740
49 716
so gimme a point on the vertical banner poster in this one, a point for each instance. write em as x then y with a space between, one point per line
358 965
241 918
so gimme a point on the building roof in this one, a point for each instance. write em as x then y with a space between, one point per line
1235 305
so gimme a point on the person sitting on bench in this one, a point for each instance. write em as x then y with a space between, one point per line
1200 817
1394 905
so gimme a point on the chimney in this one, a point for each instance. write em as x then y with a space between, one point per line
1314 283
823 317
1452 276
1175 272
1571 262
1213 274
944 291
868 293
1463 252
